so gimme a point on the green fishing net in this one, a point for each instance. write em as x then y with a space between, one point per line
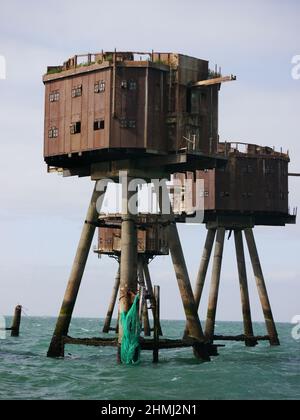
130 346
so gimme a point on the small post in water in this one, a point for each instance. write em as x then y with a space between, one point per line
156 323
15 328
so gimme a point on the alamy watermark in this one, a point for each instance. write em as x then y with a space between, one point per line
2 67
296 67
2 328
178 197
296 329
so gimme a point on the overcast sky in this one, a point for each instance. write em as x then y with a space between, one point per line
42 215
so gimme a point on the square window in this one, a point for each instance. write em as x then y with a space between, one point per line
123 123
75 128
77 91
53 133
124 84
102 86
99 86
54 96
131 124
132 85
99 125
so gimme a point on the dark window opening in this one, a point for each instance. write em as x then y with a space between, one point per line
99 86
124 84
124 123
76 91
131 124
224 194
75 128
53 133
247 194
54 96
132 85
99 125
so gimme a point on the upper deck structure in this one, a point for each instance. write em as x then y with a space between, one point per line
123 105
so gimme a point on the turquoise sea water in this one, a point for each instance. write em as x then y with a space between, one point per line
92 372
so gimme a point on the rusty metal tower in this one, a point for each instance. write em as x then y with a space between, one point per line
148 116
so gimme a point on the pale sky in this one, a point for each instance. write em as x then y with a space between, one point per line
42 215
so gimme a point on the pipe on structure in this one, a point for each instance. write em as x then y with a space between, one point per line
246 309
215 284
262 289
112 304
129 258
15 328
56 348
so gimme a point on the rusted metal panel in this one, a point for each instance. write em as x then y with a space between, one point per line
255 181
67 116
153 116
47 120
152 240
156 116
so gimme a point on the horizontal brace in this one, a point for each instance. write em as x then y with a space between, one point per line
240 338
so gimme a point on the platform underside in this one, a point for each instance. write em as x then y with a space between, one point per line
86 163
235 219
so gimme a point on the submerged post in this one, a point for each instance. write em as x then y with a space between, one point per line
156 324
262 289
112 304
246 309
56 348
215 284
15 328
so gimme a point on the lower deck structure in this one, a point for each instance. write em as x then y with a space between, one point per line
251 190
